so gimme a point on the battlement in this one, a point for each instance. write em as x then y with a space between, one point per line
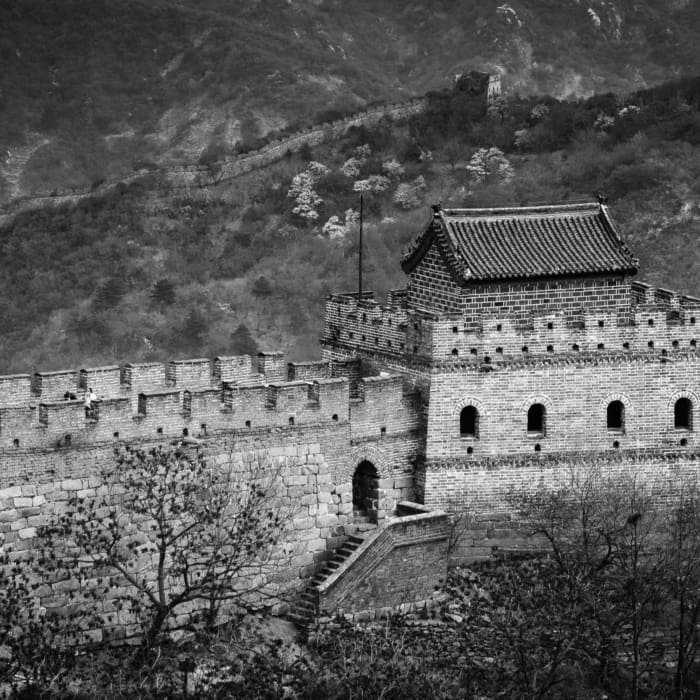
191 398
647 320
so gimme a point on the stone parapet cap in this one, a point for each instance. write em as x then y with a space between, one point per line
161 392
62 403
331 381
193 361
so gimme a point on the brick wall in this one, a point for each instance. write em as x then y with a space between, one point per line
191 374
403 563
104 381
431 287
301 483
575 393
51 386
16 390
233 368
153 400
490 485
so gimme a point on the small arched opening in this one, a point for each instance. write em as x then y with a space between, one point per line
683 414
616 416
365 488
469 422
536 418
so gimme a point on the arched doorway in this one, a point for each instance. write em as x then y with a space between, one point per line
365 485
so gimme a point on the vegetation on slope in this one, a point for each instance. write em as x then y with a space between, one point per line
90 89
247 263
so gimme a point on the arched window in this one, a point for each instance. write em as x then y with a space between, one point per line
616 415
469 422
365 482
683 414
536 418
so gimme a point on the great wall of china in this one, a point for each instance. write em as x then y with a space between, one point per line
184 176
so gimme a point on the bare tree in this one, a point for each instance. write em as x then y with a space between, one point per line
180 536
683 580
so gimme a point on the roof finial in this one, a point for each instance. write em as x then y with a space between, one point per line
602 198
437 208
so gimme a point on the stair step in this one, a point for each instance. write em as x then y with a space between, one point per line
345 551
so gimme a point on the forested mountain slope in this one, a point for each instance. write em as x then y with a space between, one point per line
90 88
149 271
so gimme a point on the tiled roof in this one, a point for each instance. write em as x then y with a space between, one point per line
525 242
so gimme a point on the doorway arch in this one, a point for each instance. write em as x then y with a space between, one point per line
365 488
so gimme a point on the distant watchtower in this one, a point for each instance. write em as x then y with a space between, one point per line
477 83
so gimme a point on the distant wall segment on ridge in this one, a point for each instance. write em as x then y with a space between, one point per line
201 176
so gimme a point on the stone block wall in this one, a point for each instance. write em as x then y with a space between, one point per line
300 476
403 563
61 450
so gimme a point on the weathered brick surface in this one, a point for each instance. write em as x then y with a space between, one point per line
233 368
16 390
104 381
493 485
575 393
431 286
402 563
190 374
51 386
296 462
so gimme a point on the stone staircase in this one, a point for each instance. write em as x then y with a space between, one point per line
305 610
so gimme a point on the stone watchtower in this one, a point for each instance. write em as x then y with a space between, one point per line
529 344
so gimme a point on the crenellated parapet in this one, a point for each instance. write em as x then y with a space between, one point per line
195 398
648 321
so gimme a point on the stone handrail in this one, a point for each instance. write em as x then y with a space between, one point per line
414 525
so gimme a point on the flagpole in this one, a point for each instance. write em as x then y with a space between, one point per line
359 266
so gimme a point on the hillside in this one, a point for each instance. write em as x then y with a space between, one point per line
90 89
151 271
